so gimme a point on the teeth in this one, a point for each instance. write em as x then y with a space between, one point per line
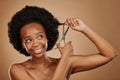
37 51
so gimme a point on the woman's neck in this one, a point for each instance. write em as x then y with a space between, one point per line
45 61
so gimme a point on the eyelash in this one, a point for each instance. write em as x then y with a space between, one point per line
40 37
29 40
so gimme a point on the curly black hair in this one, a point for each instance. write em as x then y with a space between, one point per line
32 14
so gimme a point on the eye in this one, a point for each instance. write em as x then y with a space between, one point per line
40 37
28 40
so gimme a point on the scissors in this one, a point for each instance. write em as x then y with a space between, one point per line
63 34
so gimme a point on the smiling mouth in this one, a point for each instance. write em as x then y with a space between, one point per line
37 51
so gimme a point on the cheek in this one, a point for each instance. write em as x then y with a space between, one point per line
27 47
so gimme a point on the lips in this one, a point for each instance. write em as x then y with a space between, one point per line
37 51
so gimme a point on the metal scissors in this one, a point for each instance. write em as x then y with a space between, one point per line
63 34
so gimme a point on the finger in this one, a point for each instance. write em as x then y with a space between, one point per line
68 43
59 47
69 22
76 21
72 23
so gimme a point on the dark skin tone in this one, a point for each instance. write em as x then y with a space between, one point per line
39 66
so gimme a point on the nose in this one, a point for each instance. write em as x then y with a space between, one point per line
35 43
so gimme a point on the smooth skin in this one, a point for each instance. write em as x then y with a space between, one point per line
41 67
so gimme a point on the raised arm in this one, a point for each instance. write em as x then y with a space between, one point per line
86 62
63 67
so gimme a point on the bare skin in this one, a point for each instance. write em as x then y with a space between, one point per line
41 67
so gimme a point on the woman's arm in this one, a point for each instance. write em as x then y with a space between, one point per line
63 67
86 62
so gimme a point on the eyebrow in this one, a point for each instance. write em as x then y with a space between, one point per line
27 36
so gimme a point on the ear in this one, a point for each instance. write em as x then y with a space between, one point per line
23 45
46 44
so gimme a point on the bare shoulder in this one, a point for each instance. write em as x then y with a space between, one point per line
15 67
18 70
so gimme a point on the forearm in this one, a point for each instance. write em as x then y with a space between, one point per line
61 70
103 46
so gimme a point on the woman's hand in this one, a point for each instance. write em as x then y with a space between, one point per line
75 24
66 51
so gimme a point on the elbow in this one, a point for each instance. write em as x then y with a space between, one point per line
113 54
116 53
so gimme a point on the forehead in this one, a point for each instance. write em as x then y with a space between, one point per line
32 28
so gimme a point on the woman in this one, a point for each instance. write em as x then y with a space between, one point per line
33 31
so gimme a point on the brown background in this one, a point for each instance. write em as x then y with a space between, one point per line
103 16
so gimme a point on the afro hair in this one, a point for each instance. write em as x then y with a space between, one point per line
32 14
